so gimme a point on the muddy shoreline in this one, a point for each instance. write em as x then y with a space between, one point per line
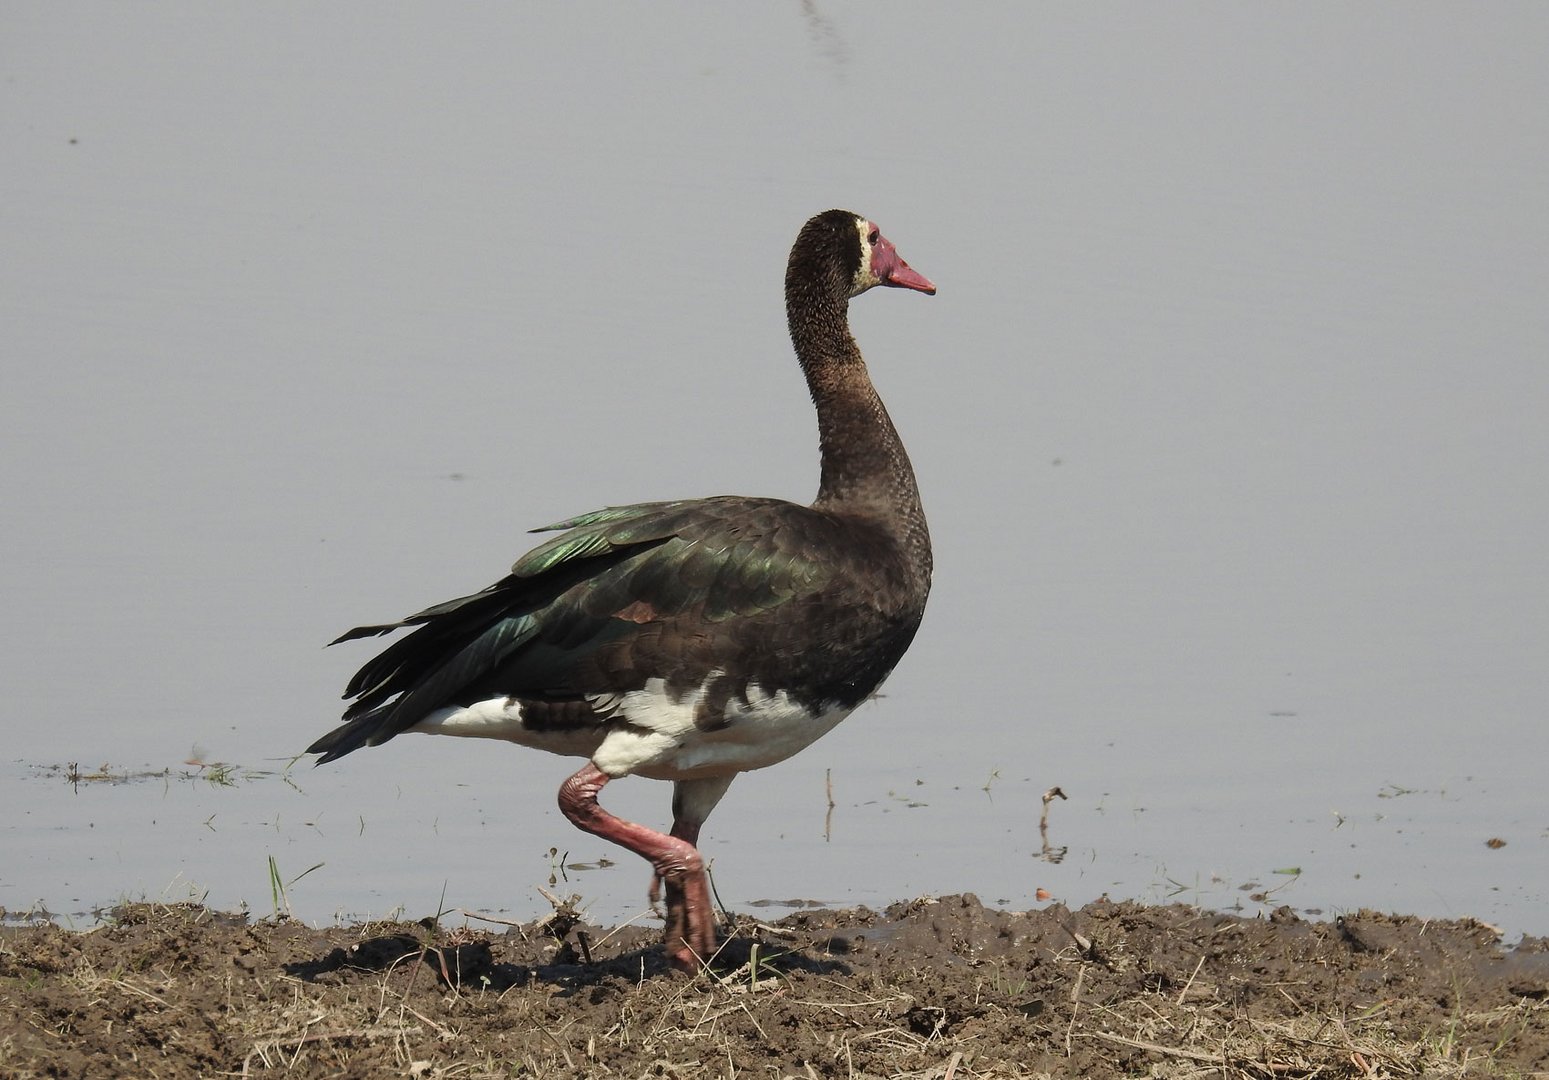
941 987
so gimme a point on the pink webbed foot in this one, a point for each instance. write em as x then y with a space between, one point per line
690 938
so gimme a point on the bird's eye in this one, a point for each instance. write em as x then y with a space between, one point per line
874 236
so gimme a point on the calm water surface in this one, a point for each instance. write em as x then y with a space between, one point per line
1229 417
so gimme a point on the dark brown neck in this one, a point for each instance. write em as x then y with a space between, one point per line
865 470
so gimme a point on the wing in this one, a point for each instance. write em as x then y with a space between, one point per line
670 590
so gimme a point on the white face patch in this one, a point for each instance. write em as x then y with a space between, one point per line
865 277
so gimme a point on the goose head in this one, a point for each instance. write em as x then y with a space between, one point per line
843 253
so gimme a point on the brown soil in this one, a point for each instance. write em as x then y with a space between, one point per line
933 988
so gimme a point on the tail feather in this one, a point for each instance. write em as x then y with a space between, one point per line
351 736
365 632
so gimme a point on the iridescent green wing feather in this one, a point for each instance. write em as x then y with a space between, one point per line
609 573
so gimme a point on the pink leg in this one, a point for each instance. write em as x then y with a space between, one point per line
690 938
683 830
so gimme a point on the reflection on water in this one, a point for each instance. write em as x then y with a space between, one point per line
1049 853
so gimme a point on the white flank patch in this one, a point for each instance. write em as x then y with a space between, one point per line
767 729
655 736
501 718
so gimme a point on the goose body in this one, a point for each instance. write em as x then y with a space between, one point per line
691 640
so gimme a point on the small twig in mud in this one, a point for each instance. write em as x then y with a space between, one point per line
546 1033
441 966
440 1029
565 917
130 988
415 959
1086 948
465 913
1185 991
627 922
278 1045
1156 1048
746 924
726 915
662 1023
1075 1006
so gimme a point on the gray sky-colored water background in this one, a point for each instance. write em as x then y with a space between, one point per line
1231 417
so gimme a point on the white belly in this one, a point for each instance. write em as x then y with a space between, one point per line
655 736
